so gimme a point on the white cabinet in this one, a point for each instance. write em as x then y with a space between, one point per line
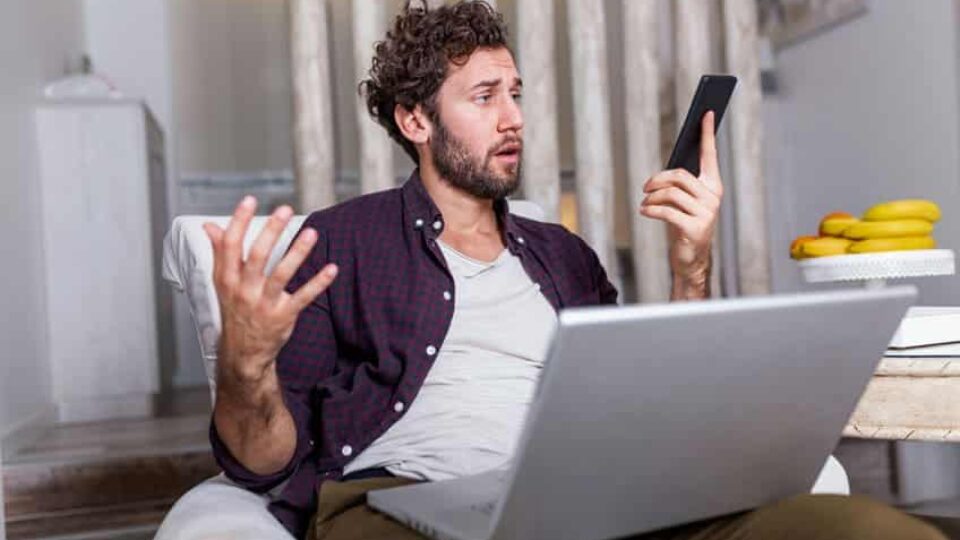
103 206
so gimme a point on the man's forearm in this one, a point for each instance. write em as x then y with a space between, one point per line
254 423
684 288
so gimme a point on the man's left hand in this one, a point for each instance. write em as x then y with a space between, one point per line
690 206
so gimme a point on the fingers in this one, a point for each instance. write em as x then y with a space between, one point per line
709 166
678 198
232 251
291 261
313 288
682 179
688 225
263 246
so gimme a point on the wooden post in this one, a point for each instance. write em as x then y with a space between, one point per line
591 97
312 98
692 45
541 150
642 110
746 130
376 148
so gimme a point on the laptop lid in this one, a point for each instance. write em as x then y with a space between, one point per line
651 416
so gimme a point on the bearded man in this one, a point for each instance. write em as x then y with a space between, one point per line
402 336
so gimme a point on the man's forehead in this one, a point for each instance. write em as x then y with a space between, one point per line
485 66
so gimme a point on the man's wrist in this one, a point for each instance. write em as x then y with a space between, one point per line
695 286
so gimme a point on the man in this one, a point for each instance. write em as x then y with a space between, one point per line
418 362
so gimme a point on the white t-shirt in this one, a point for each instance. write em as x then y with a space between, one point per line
468 414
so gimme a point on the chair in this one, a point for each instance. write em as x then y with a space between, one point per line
217 508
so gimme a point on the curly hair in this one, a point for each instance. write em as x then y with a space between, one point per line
410 65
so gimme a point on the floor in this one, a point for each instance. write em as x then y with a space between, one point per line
116 479
113 479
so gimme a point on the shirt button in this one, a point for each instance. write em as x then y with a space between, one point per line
437 225
418 223
447 296
347 450
520 239
311 442
398 406
431 350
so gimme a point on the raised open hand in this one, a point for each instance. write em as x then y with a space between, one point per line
257 313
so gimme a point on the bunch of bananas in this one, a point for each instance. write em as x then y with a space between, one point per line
889 226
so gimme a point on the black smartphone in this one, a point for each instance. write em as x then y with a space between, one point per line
713 94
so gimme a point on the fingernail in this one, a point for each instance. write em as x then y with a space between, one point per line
247 201
332 270
284 212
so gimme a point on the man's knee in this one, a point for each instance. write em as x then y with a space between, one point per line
839 518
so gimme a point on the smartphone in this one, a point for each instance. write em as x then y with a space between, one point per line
713 93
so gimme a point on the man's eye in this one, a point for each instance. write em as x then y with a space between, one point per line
517 97
482 99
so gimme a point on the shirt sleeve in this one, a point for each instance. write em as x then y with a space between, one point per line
606 292
307 358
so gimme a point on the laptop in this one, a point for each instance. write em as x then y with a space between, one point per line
647 417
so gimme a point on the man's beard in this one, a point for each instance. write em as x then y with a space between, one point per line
455 164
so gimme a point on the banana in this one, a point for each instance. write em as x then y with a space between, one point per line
888 229
833 224
893 244
904 209
825 246
796 247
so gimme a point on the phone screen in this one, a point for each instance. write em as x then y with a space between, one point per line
713 93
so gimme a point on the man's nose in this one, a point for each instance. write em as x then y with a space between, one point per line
511 117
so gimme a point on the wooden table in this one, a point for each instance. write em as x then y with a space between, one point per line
916 399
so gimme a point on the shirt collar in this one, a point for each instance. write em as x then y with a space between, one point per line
422 214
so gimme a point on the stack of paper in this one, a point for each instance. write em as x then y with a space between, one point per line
928 331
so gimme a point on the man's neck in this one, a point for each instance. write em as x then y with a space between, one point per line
463 213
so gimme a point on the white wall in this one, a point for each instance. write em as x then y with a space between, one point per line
37 38
867 111
129 42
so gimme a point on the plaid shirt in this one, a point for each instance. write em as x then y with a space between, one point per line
360 352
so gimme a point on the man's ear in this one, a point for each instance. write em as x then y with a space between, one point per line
414 124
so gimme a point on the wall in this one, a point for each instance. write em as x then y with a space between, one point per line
129 43
867 111
37 39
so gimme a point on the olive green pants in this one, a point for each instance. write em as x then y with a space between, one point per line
342 514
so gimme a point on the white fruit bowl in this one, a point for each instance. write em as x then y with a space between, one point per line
879 266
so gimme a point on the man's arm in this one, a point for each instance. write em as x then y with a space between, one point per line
691 207
254 423
695 287
258 316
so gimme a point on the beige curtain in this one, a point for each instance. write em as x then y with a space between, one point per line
314 168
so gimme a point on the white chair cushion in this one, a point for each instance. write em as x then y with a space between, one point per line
188 265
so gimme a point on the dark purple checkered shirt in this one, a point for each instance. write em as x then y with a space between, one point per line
360 352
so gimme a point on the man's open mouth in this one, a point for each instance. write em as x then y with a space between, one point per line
511 150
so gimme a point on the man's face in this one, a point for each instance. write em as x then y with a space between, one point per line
477 138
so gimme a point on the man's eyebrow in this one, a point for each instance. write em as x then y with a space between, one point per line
491 83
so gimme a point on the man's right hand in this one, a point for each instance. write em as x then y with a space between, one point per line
258 316
257 313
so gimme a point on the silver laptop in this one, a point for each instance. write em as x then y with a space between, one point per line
648 417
